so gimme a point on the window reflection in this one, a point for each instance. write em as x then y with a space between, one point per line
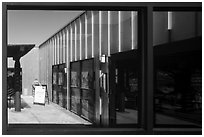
178 71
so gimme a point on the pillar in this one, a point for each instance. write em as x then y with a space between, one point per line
17 100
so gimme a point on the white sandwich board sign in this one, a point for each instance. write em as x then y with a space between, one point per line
39 97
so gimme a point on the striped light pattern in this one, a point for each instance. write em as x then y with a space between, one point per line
108 33
100 26
86 35
75 41
80 39
92 28
119 31
71 44
169 20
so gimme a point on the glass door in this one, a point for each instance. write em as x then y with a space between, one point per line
55 84
125 89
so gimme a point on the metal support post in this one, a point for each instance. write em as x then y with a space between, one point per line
17 100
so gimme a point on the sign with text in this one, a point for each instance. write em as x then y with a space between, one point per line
39 97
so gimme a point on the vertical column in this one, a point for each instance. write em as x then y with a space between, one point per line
97 52
80 38
54 51
86 37
75 41
71 35
92 33
17 83
100 27
133 30
62 46
58 48
68 67
119 31
146 41
109 33
47 60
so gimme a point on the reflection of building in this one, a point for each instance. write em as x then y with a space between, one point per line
121 93
14 86
10 78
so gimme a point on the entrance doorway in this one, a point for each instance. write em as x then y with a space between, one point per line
125 88
82 89
59 85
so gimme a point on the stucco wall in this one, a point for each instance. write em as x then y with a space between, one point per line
30 70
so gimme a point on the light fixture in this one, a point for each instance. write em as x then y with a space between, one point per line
169 20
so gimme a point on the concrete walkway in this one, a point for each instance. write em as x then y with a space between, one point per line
40 114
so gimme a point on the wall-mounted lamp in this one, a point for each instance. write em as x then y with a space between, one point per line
65 70
103 58
104 63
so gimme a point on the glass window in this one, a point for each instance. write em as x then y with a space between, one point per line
64 46
69 43
125 23
75 90
82 36
87 90
125 99
96 33
53 51
177 70
61 46
104 32
183 25
134 30
72 42
54 82
58 48
77 39
114 32
160 25
89 34
55 48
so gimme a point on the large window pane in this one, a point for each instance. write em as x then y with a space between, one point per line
96 32
89 34
75 88
160 25
125 69
77 40
104 32
125 20
114 31
82 36
177 70
58 48
72 42
87 90
64 46
184 25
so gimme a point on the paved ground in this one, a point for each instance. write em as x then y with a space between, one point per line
40 114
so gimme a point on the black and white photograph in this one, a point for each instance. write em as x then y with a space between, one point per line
118 68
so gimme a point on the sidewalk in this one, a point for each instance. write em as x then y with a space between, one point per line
39 114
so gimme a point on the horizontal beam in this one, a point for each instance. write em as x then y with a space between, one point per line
94 5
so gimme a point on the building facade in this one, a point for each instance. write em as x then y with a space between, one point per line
93 68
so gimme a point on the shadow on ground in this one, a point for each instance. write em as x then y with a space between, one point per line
23 104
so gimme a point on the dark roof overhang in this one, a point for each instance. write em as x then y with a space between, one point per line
18 50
